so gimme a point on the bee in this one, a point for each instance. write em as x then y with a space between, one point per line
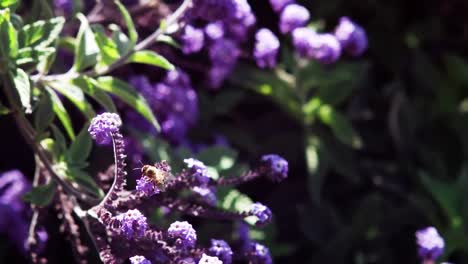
159 177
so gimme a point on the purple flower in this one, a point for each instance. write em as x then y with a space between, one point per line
209 260
266 48
206 194
132 224
222 250
262 212
324 48
217 75
278 5
65 6
13 185
198 171
102 126
275 167
192 40
184 234
258 254
352 37
431 244
302 41
214 30
139 260
292 17
212 10
238 27
224 52
146 186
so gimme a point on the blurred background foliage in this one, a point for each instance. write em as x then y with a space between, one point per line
377 147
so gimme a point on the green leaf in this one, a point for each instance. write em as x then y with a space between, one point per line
87 50
109 51
33 55
8 36
41 33
168 40
151 58
7 3
84 180
80 148
443 193
40 10
61 113
90 87
129 22
75 95
60 143
129 96
120 39
44 115
4 110
23 87
41 195
340 126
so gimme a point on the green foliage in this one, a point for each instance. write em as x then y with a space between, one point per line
41 195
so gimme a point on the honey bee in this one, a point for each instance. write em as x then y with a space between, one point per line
159 177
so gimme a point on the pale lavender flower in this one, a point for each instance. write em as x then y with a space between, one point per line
352 37
192 40
139 260
266 48
278 5
431 244
209 260
262 212
275 167
258 254
103 125
183 233
292 17
132 223
214 30
222 250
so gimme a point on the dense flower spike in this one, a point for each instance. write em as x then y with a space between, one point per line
324 48
209 260
192 40
220 57
147 187
198 171
262 212
206 194
278 5
102 127
266 48
274 167
183 233
302 41
352 37
139 260
214 30
431 244
212 10
132 224
222 250
258 254
292 17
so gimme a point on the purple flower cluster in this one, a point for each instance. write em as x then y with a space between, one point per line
139 260
275 167
258 253
293 16
262 212
132 224
184 234
103 126
266 48
352 37
198 171
222 250
173 101
430 243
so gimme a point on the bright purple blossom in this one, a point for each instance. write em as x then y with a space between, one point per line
224 52
212 10
65 6
292 17
209 260
192 40
184 234
198 170
132 223
352 37
139 260
275 167
278 5
103 125
147 186
222 250
431 244
239 26
217 75
206 194
302 41
214 30
266 48
258 254
324 48
262 212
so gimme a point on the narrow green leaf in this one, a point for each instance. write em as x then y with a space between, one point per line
60 143
61 113
41 33
132 33
23 87
340 126
168 40
41 195
87 50
109 51
75 95
151 58
127 94
33 55
44 114
80 148
7 3
8 36
89 86
40 10
120 39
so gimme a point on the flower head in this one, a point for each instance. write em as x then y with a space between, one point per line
214 30
222 250
212 10
224 52
262 212
206 194
266 48
431 244
192 40
275 167
258 254
352 37
147 187
139 260
278 5
292 17
198 171
132 224
302 41
324 48
184 234
103 126
209 260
